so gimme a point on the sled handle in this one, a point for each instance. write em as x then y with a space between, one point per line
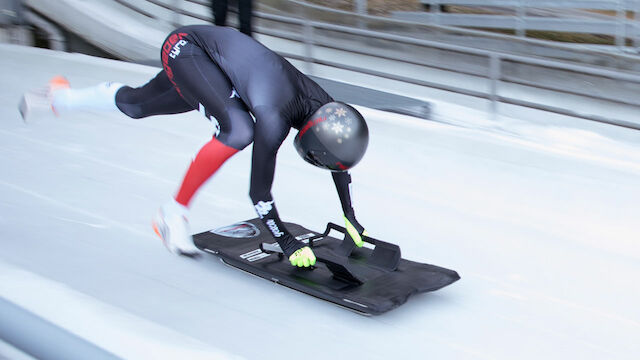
339 271
385 255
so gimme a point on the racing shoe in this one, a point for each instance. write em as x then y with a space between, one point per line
172 226
303 257
41 100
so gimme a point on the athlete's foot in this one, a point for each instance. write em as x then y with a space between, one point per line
41 100
303 257
171 225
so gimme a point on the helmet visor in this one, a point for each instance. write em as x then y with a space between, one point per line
323 159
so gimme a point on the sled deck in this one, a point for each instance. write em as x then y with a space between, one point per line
370 280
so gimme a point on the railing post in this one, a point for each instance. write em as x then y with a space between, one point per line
521 13
361 7
435 10
19 8
621 16
176 15
494 76
636 26
308 46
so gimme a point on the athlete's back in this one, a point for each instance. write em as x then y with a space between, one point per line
261 77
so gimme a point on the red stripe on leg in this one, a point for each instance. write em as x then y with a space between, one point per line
208 160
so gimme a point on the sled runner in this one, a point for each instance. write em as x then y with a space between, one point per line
369 280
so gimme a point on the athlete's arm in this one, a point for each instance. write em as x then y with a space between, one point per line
269 134
356 231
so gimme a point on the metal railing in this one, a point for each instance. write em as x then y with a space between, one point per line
622 24
496 68
494 72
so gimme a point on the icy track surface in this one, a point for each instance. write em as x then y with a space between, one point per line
541 222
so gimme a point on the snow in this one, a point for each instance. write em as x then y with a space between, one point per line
539 219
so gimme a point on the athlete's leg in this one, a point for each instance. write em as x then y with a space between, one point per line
156 97
205 87
100 97
245 13
219 11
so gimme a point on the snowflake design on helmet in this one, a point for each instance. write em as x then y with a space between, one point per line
341 112
337 127
329 110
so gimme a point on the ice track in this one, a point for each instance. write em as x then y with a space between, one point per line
541 222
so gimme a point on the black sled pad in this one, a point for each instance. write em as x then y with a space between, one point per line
369 280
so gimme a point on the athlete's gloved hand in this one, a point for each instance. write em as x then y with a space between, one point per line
303 257
355 230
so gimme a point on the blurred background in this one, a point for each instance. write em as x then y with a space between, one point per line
476 53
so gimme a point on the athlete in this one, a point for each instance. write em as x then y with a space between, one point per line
250 94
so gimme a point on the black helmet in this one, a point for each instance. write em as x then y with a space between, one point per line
335 137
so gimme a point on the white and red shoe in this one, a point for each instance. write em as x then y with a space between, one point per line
58 97
172 226
42 99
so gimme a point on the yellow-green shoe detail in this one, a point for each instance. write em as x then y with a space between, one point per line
303 257
354 232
